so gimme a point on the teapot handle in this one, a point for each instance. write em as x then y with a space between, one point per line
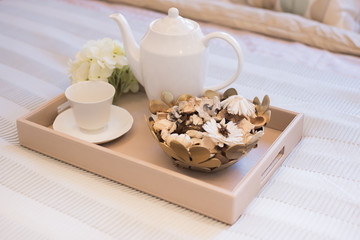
238 51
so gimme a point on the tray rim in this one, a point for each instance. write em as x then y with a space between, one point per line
231 195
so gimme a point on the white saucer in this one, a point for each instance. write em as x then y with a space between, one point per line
120 123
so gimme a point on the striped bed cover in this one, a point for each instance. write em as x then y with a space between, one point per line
315 194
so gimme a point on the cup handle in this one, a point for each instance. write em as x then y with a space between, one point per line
239 54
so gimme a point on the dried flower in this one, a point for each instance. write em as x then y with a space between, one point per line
195 119
239 105
224 133
208 108
164 124
210 138
194 134
174 114
187 106
246 125
183 139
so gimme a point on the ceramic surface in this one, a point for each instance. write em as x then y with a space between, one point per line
91 103
173 55
120 122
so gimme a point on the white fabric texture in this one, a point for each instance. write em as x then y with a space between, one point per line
315 194
340 13
277 24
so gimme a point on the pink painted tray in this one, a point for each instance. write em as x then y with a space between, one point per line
135 159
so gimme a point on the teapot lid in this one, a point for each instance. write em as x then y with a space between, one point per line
173 24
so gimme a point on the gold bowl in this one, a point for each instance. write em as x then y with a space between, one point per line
208 133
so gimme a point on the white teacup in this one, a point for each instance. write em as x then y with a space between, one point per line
91 103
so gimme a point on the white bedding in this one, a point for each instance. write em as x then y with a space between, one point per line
315 194
277 24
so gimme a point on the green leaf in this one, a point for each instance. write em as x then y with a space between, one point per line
123 80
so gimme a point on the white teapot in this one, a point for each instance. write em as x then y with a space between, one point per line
172 55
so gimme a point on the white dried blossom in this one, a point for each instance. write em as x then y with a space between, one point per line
164 124
245 125
187 106
208 108
224 133
194 133
174 114
183 139
239 105
196 120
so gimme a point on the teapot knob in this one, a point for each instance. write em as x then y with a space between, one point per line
173 12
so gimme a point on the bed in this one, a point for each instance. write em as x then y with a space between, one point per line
304 66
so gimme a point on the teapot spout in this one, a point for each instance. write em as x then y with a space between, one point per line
132 49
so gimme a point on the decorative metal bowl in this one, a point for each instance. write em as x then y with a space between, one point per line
208 133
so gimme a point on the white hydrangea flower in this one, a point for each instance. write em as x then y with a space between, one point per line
79 70
97 60
224 133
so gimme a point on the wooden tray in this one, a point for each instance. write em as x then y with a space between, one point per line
137 160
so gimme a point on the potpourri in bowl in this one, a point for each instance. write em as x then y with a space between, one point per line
208 133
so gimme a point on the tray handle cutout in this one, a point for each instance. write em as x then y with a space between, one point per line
268 170
63 107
